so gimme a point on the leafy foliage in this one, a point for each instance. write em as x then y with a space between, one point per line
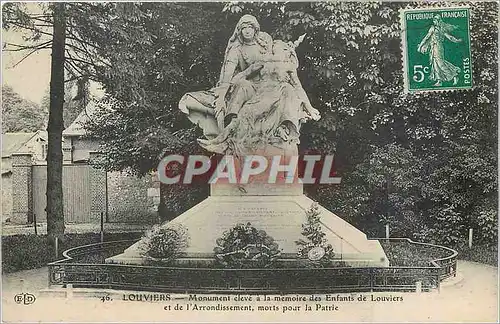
487 254
424 163
74 103
171 55
243 246
21 115
164 243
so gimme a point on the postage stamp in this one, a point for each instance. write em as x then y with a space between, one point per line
436 49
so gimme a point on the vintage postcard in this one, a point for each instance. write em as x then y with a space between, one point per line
250 162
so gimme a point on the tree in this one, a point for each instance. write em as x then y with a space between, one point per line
55 215
55 26
74 103
20 115
105 41
163 54
420 162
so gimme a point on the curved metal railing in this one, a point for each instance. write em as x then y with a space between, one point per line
85 266
447 264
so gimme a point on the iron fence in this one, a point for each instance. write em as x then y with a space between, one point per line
444 258
85 267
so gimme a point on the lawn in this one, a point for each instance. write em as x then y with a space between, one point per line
23 252
403 253
479 253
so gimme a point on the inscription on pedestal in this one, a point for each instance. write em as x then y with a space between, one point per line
257 189
281 221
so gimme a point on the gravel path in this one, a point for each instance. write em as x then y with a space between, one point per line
473 299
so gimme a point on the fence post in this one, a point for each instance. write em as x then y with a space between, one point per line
23 285
34 223
470 238
56 246
371 279
69 291
341 248
386 231
418 286
102 227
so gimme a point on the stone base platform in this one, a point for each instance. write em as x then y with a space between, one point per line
281 216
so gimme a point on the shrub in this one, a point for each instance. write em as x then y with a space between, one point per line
243 246
487 254
30 251
486 227
164 243
314 246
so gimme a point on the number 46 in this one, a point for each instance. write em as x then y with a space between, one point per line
418 72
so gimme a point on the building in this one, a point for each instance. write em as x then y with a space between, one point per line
89 193
17 144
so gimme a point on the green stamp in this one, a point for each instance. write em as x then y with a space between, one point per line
436 49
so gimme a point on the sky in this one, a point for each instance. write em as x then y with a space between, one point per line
30 78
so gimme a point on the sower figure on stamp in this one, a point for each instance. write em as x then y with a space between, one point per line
441 70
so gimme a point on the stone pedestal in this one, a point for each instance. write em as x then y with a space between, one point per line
278 209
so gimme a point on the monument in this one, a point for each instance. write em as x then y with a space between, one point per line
257 109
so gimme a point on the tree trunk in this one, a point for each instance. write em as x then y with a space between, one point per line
55 216
163 213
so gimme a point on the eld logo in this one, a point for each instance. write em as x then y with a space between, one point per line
25 298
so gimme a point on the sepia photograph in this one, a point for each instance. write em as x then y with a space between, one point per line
265 161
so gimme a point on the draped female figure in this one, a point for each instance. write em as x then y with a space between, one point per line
433 43
259 100
212 109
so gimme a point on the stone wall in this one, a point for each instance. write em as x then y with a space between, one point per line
22 194
86 192
6 196
128 200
